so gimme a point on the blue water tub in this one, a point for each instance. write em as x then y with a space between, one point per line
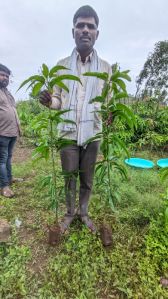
139 163
163 163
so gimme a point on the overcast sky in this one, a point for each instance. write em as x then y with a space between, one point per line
33 32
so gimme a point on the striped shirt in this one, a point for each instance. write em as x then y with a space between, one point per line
60 96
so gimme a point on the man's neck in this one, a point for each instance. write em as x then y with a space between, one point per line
85 54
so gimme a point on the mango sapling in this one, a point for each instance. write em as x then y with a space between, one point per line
50 144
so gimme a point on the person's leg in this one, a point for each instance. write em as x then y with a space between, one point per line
88 158
4 142
4 180
8 163
70 166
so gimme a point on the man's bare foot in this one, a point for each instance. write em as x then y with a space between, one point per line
89 223
65 223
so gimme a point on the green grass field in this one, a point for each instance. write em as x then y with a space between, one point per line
80 267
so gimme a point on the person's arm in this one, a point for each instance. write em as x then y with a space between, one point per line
51 101
55 103
56 98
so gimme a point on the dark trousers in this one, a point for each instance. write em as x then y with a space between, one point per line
78 161
6 148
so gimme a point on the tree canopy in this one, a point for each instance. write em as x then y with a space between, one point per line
153 79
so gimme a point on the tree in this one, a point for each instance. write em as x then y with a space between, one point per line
153 79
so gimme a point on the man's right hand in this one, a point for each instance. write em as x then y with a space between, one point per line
45 98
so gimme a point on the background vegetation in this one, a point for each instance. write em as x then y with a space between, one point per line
136 264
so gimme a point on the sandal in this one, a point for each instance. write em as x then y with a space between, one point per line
7 192
65 223
89 223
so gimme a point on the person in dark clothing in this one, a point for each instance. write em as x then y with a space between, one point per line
9 130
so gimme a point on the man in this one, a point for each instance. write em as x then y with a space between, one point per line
9 130
79 159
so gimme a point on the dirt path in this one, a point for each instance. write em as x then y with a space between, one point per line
22 152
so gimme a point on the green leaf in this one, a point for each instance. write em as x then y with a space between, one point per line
128 111
105 91
60 112
98 99
118 75
121 95
164 174
62 142
121 143
42 151
36 88
101 171
120 168
123 116
40 125
121 84
31 84
68 77
32 78
69 121
126 71
98 167
45 70
104 76
125 76
98 136
114 87
115 76
55 81
55 69
166 215
117 196
110 200
62 85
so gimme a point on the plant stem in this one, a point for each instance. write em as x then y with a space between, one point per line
54 176
107 157
108 170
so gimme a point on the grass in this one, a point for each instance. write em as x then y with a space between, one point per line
80 267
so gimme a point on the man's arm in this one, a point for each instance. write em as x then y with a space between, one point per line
51 101
55 103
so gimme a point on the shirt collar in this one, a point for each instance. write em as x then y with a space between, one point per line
88 58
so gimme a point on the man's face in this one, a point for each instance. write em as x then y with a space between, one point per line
4 79
85 33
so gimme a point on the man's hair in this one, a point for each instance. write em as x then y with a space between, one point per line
85 12
3 68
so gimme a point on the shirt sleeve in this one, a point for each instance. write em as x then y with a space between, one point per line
56 98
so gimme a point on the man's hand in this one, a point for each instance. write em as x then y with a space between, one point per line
45 98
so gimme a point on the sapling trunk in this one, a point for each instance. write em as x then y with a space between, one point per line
54 174
109 176
107 156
